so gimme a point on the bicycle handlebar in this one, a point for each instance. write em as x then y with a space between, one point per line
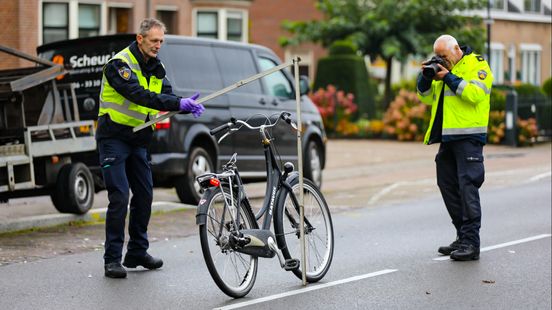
222 127
286 116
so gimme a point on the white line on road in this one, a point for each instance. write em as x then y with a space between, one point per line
384 191
503 245
540 176
306 289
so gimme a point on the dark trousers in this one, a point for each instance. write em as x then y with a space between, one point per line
125 166
460 174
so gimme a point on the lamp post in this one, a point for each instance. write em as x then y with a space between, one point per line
489 21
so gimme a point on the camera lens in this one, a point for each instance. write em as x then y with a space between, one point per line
430 70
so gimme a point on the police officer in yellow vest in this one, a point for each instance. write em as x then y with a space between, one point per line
134 88
458 86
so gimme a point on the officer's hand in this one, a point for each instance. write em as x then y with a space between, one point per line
441 74
189 105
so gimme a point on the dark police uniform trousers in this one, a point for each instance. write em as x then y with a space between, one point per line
460 174
124 166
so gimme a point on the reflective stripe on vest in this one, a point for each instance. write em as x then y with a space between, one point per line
120 109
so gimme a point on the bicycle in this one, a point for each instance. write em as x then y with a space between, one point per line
231 240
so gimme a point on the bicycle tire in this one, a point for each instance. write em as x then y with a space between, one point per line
235 280
319 241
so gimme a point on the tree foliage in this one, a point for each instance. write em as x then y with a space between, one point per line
391 29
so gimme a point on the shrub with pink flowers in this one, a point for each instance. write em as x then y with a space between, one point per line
336 108
527 131
406 119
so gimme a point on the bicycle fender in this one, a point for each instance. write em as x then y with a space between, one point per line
203 206
292 177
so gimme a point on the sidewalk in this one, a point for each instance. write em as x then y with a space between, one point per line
367 170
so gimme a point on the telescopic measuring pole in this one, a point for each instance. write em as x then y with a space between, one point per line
296 61
217 93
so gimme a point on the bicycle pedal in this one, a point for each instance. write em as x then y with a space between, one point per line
291 264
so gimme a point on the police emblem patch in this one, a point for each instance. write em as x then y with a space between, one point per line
125 73
482 74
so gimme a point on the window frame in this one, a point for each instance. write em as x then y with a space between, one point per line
222 22
99 21
43 19
535 6
531 55
497 62
73 16
504 5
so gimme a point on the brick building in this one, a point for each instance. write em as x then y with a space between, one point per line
521 40
27 24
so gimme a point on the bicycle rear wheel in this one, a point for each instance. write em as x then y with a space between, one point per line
233 272
319 239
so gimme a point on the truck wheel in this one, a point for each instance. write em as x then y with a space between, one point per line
187 189
74 190
313 163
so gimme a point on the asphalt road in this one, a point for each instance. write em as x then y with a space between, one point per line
385 258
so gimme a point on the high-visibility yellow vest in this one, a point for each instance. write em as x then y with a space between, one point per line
466 111
121 110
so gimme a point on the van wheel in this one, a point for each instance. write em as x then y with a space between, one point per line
313 163
74 190
187 189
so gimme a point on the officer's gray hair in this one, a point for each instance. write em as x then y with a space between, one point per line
449 40
148 23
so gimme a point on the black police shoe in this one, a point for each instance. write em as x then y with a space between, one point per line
446 250
466 252
114 270
147 261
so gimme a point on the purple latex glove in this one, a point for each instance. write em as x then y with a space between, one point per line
190 105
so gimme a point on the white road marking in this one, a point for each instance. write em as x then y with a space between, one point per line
310 288
540 176
502 245
384 191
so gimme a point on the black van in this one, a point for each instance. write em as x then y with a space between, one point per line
182 147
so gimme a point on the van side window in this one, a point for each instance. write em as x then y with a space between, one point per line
235 65
191 66
276 83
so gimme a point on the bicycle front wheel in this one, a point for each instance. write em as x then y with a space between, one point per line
319 238
233 272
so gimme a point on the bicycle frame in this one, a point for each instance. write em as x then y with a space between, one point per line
276 181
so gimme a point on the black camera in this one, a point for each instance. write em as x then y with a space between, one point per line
431 68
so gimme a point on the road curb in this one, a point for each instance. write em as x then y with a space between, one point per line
94 215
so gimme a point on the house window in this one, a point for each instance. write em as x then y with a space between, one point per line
169 19
119 20
498 5
532 6
497 62
55 22
207 25
530 63
89 20
234 23
221 24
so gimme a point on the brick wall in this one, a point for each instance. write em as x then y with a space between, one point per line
265 19
9 35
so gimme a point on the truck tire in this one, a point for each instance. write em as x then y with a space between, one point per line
74 190
187 189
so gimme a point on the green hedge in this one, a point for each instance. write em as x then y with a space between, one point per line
348 73
547 87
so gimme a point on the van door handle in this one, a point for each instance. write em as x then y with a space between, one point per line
262 101
274 102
